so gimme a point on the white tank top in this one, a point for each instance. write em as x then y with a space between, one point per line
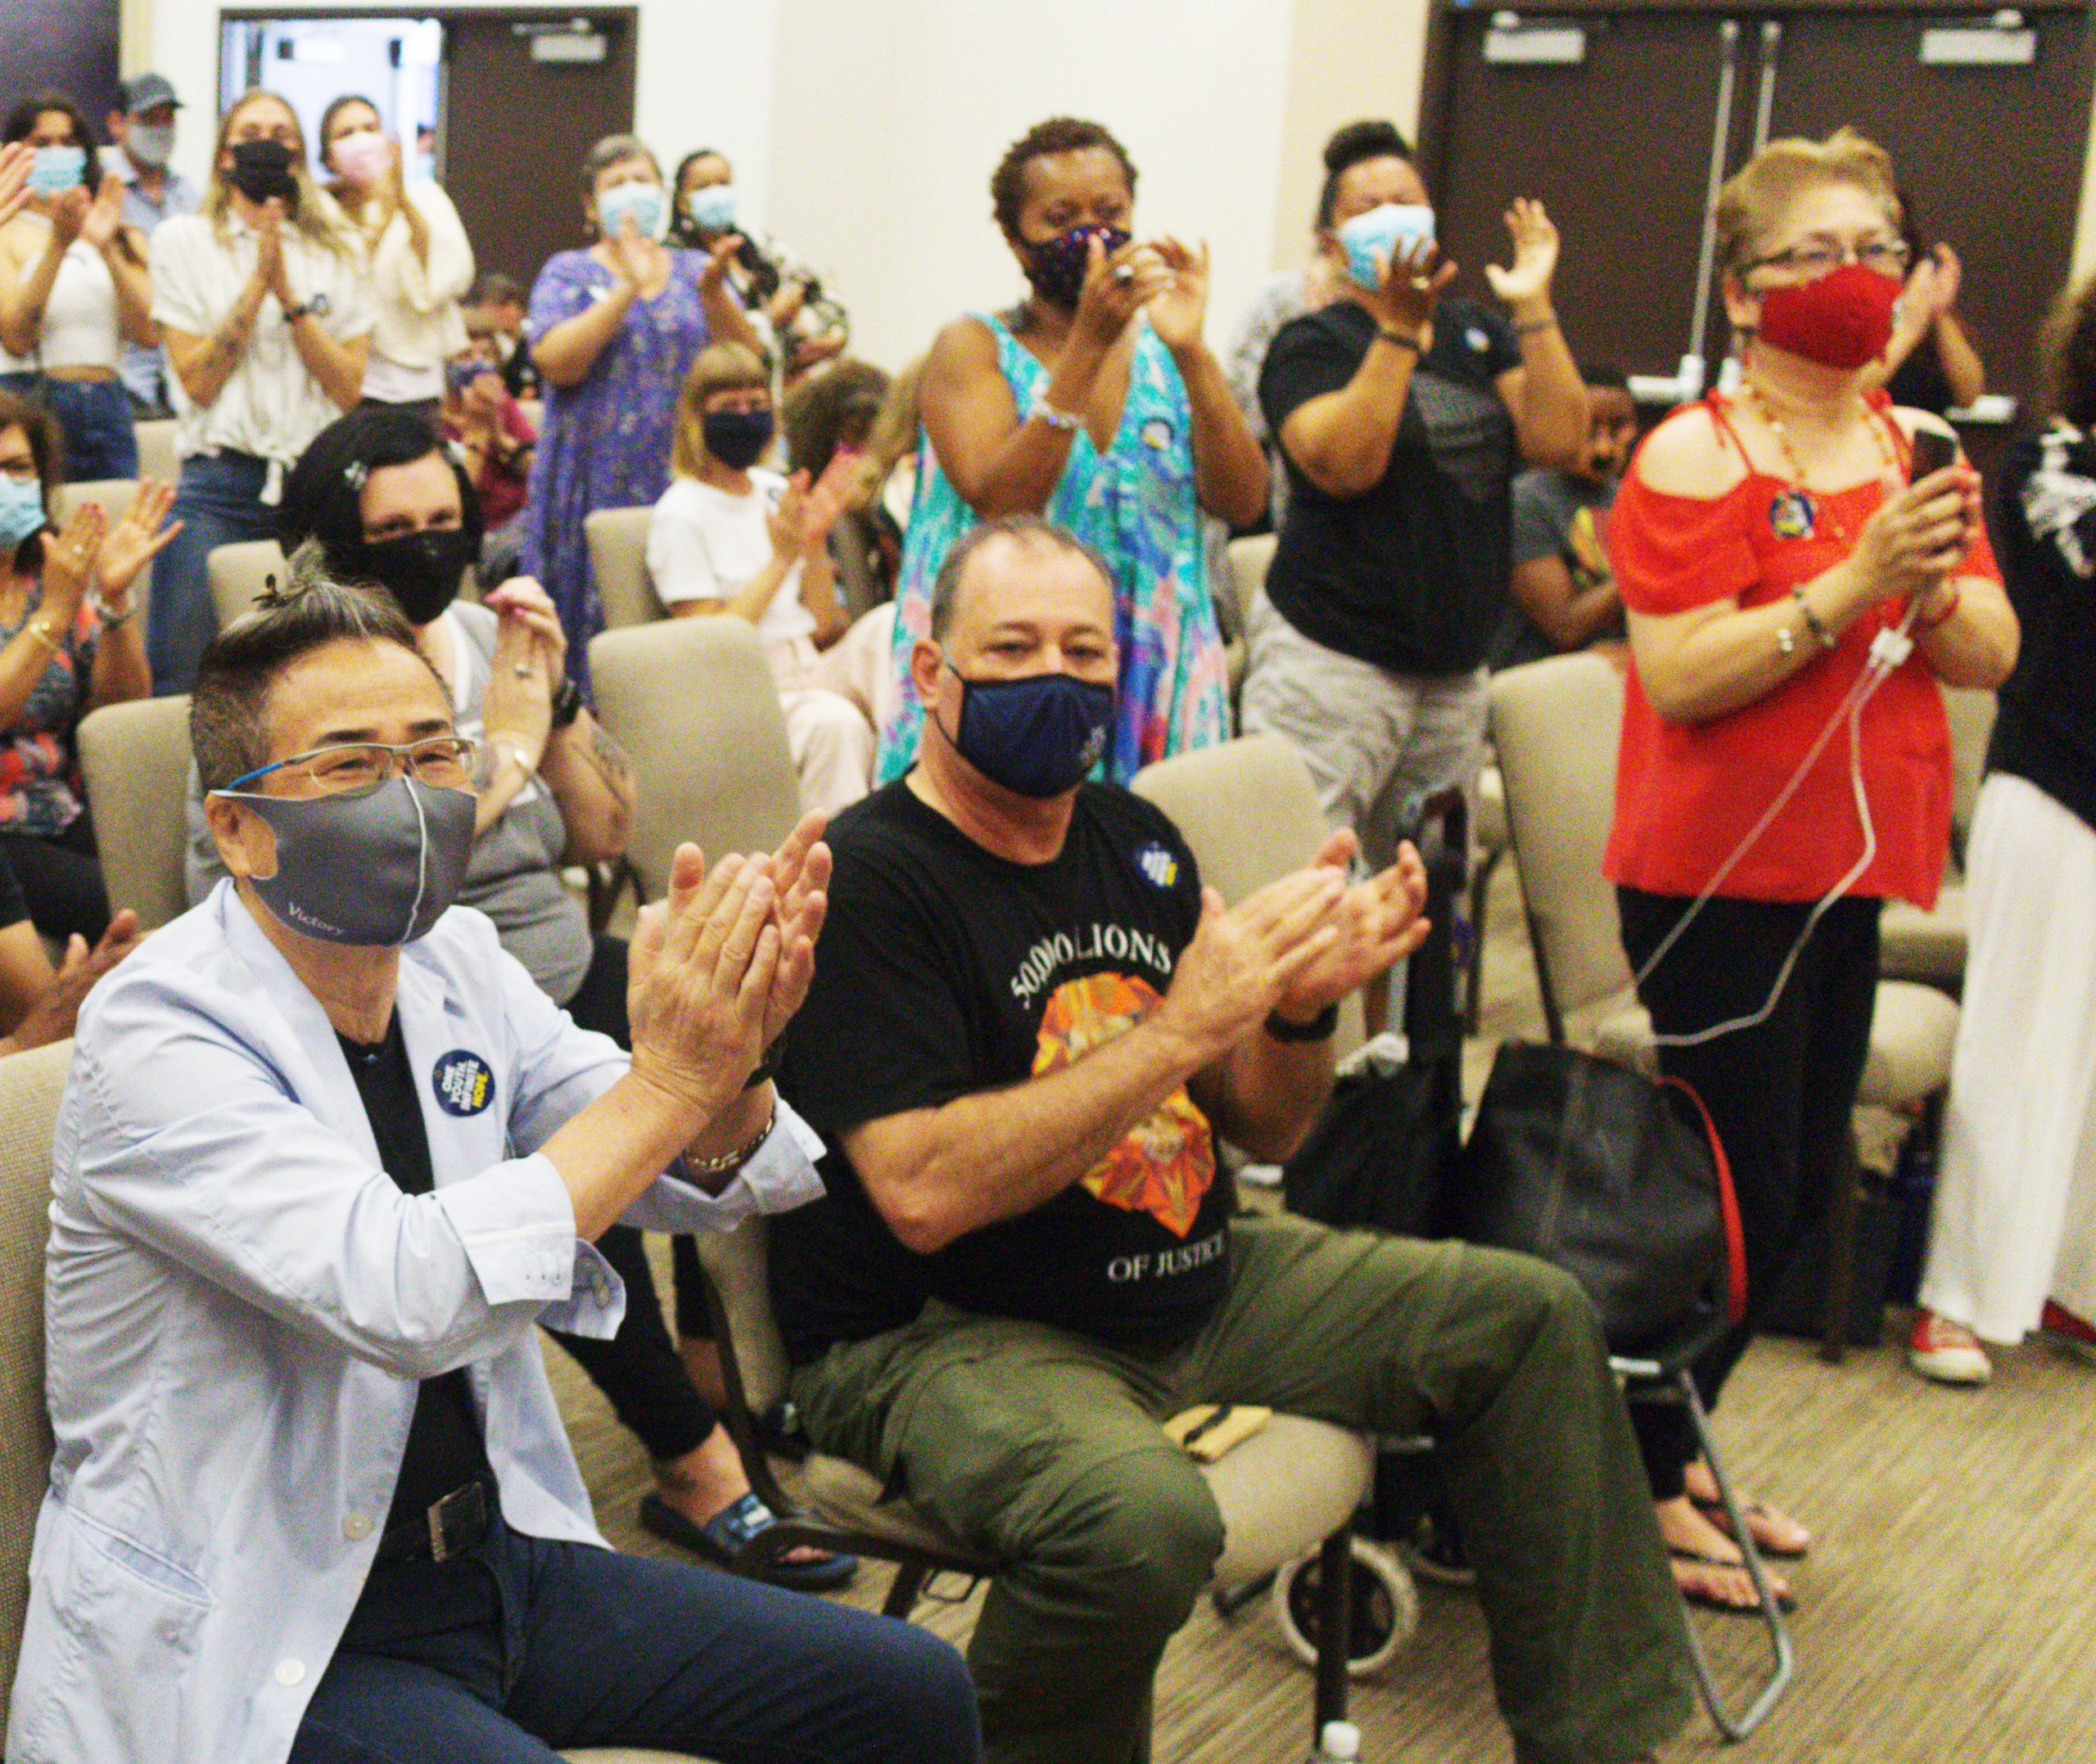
79 319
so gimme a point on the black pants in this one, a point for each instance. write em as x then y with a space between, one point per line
637 1369
61 880
1779 1093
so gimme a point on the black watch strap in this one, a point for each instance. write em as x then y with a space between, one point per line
567 703
1319 1028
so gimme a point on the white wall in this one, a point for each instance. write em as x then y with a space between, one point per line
703 74
889 121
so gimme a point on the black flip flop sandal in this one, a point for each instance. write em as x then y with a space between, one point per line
720 1539
1710 1601
1714 1511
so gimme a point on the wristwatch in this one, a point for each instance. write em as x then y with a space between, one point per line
567 703
316 308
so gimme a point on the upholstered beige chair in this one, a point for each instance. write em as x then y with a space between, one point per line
1556 723
156 455
136 757
617 539
1929 945
239 572
693 702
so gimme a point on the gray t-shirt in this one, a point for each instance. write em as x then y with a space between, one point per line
1548 506
514 877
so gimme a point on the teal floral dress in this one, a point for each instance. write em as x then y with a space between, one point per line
1134 504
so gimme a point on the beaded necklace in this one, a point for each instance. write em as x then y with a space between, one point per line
1809 505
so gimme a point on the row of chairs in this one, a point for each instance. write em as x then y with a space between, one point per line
724 775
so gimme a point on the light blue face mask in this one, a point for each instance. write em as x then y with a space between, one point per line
712 210
57 170
1388 231
21 511
644 201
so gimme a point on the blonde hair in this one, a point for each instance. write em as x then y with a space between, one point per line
318 216
719 368
1757 196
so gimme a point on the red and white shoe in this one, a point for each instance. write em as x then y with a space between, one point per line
1946 1352
2076 1334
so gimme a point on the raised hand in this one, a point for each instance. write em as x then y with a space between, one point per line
1535 254
1949 273
51 1017
718 259
105 214
1175 286
1411 286
1916 536
800 873
1108 299
703 966
68 213
786 521
1377 924
137 540
520 601
15 160
69 560
518 710
1243 960
269 252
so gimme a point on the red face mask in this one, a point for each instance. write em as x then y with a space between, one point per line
1842 320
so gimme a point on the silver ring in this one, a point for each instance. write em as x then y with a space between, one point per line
521 670
1125 272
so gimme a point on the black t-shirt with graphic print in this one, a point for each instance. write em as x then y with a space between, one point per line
1409 574
944 970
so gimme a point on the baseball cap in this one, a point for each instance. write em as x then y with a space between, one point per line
142 93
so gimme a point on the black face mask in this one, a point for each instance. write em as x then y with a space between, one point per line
262 170
421 570
737 437
1056 266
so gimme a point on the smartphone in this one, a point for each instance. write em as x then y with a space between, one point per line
1933 451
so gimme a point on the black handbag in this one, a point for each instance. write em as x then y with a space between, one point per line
1621 1182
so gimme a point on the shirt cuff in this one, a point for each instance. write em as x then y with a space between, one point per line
515 1223
598 1305
779 1176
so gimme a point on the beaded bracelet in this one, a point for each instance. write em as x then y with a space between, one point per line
1055 419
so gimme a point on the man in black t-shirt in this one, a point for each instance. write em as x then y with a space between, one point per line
1401 418
1029 1023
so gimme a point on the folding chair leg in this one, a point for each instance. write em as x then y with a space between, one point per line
1473 980
902 1591
1335 1630
1736 1728
1841 1255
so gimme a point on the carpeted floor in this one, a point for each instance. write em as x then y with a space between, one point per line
1948 1611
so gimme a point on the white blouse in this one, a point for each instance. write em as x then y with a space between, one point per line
417 326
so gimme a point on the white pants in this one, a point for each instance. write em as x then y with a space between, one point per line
2016 1203
828 736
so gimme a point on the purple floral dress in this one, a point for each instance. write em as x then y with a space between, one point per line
603 442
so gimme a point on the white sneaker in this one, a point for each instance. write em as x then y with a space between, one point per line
1946 1352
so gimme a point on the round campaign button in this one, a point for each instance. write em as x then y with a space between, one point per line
464 1083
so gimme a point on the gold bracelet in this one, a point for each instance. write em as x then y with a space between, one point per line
37 628
742 1154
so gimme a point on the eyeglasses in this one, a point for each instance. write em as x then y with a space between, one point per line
442 762
1818 257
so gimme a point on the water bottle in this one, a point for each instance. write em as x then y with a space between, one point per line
1338 1742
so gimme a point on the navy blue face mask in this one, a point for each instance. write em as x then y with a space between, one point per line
1037 735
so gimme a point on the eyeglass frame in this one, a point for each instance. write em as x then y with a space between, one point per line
1793 257
471 754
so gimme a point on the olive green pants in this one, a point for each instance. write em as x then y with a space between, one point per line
1041 1451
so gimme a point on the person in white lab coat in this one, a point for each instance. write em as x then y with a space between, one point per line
325 1155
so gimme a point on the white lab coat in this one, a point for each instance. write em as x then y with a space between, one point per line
240 1303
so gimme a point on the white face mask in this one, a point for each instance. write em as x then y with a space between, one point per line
151 143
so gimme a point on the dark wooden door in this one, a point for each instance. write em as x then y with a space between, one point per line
68 44
517 126
1616 144
1991 154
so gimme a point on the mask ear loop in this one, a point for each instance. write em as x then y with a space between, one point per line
422 859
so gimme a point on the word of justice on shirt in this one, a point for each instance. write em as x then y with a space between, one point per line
1181 1258
1092 943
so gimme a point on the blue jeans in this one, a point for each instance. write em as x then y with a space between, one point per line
520 1648
219 501
95 417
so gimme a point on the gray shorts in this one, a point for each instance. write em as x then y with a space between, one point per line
1374 740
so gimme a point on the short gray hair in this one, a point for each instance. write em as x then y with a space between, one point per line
610 151
1029 530
302 610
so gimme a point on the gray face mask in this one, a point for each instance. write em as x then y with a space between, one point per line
373 867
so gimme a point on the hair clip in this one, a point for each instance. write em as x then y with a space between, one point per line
354 473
